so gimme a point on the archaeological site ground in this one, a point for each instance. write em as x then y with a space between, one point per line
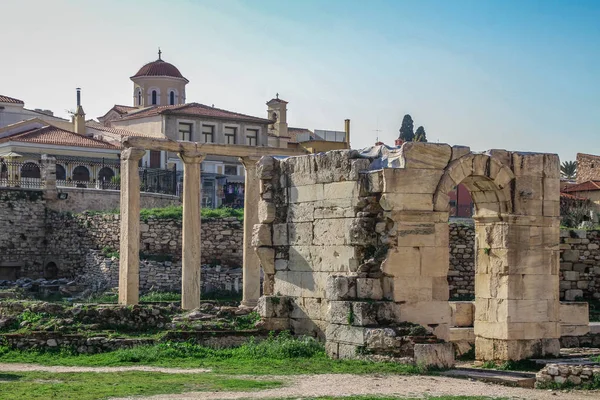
343 276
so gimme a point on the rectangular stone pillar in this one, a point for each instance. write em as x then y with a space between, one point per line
251 263
191 241
129 263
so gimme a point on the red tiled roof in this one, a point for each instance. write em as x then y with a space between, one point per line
583 187
159 68
120 109
56 136
572 197
6 99
117 131
195 110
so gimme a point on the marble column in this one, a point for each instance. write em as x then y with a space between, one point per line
191 260
251 263
129 263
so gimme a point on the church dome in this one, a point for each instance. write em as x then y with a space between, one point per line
159 68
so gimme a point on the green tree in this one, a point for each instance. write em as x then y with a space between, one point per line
420 135
407 130
568 169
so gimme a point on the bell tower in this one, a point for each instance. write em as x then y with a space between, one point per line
277 112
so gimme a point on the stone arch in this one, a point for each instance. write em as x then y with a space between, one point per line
486 178
81 174
51 270
105 174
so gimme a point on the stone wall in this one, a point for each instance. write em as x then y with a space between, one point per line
88 199
558 375
461 274
579 263
588 167
101 273
39 242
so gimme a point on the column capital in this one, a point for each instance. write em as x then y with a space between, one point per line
249 161
189 157
132 154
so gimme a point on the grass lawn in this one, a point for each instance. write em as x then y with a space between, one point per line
281 355
94 385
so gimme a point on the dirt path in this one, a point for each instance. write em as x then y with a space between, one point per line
301 386
417 386
42 368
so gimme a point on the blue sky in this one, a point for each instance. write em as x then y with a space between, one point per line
520 75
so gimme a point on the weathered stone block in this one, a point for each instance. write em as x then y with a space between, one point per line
369 288
463 313
573 294
266 212
424 155
397 180
280 235
261 235
274 306
407 201
300 233
440 355
340 287
266 255
301 194
301 212
403 261
345 334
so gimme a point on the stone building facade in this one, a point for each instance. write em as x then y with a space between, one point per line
588 167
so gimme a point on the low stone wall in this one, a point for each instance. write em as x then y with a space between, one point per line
38 242
566 375
101 273
79 200
579 263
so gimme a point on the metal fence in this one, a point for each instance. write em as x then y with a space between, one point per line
19 174
90 173
156 180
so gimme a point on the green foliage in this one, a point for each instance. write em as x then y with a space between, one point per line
469 355
155 297
521 365
30 316
487 251
279 354
246 322
109 252
93 386
568 169
407 129
350 317
420 135
176 212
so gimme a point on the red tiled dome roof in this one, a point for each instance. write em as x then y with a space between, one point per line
159 68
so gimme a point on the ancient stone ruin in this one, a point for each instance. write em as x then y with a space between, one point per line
356 254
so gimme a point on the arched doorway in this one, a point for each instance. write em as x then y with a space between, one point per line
105 174
516 199
51 271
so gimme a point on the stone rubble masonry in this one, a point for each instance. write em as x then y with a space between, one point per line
35 236
102 273
383 236
579 277
567 375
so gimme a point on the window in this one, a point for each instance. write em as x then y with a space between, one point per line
185 131
172 98
252 137
139 96
230 134
61 173
208 133
231 170
30 170
154 97
81 174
